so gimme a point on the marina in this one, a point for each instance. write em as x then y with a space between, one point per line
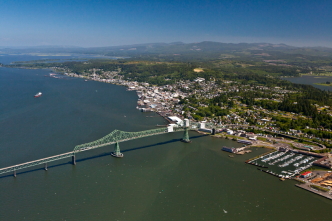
284 164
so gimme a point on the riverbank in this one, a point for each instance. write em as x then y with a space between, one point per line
172 98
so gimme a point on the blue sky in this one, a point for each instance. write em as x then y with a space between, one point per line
108 23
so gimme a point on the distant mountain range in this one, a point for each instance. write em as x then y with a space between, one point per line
205 49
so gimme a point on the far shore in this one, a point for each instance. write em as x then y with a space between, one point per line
324 84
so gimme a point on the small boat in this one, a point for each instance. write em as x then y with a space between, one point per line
119 155
38 94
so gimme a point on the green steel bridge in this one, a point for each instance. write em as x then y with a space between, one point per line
114 137
117 136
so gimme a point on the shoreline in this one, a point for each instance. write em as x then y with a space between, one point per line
140 101
144 102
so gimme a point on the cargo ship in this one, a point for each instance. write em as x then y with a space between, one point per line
38 94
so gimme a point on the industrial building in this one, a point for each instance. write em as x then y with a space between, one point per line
247 142
229 149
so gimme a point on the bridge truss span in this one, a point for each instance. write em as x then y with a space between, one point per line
115 137
118 136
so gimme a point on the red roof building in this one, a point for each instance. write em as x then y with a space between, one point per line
306 174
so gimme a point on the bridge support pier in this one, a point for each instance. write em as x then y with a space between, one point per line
213 131
45 166
186 136
73 159
14 173
117 152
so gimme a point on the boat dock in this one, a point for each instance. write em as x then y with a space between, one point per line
283 164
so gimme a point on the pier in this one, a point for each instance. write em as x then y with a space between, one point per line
310 189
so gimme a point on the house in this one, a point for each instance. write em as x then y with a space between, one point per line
252 137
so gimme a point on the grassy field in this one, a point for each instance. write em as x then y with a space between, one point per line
323 84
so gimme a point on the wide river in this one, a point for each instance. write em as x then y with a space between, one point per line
159 178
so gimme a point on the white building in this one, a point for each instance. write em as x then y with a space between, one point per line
175 119
230 132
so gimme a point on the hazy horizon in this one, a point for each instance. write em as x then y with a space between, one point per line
113 23
146 43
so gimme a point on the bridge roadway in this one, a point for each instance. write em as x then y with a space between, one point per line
36 162
115 137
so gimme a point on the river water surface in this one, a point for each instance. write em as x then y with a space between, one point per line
311 80
159 178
